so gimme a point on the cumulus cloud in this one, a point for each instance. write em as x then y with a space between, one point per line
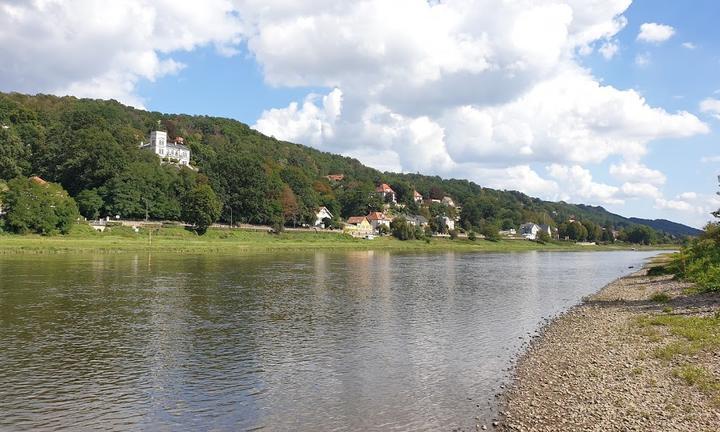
711 106
637 172
312 123
640 190
655 33
579 183
102 49
609 49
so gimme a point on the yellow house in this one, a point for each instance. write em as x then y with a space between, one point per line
358 226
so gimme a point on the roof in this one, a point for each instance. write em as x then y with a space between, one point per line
38 180
376 216
335 177
416 194
356 219
326 210
385 188
177 146
418 219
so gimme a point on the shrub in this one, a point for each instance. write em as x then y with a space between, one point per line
472 236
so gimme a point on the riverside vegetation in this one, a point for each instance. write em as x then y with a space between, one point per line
90 148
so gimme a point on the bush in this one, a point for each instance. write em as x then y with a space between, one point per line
700 261
472 236
453 234
401 229
33 205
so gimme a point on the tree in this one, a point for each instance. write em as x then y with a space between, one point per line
490 231
401 229
543 237
201 207
289 205
640 234
89 202
33 205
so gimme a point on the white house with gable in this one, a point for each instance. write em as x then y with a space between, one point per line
320 216
175 150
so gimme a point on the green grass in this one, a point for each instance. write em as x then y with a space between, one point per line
179 240
700 378
660 298
694 334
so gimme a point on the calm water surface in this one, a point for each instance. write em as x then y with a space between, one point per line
302 341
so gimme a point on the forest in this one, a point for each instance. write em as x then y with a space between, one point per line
91 148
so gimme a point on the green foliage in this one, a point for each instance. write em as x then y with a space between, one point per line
490 232
453 234
401 229
201 207
472 236
90 203
700 261
640 234
37 207
543 237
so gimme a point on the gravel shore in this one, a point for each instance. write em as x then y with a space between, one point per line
596 368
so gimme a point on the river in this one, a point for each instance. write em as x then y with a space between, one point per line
326 340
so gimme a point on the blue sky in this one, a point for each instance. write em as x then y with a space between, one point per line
610 103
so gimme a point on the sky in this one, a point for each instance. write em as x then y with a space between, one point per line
603 102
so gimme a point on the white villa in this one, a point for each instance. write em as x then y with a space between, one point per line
175 151
322 214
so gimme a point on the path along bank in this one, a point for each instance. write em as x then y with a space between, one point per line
641 355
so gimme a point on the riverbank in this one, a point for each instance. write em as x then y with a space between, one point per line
641 355
179 240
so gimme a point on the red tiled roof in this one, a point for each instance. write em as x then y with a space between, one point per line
376 216
356 219
335 177
38 180
384 188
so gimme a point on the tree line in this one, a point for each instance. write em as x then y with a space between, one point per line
91 149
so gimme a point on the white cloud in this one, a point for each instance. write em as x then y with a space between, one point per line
637 172
689 45
642 59
609 49
640 190
710 159
655 33
578 183
711 106
310 123
97 48
675 204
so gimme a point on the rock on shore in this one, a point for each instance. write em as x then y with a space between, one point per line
594 369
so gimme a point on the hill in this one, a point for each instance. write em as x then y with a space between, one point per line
91 147
666 226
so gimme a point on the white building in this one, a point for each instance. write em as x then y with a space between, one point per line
322 214
175 151
449 223
529 230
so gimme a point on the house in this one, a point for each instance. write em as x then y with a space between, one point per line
320 216
417 197
448 223
418 221
377 218
448 201
175 150
386 192
358 226
508 232
547 229
37 180
335 177
529 230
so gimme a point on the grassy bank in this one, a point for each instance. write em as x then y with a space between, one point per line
179 240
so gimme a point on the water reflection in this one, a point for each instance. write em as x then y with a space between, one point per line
306 341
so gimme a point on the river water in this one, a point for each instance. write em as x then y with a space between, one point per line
298 341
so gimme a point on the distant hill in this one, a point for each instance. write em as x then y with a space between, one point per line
666 226
91 147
